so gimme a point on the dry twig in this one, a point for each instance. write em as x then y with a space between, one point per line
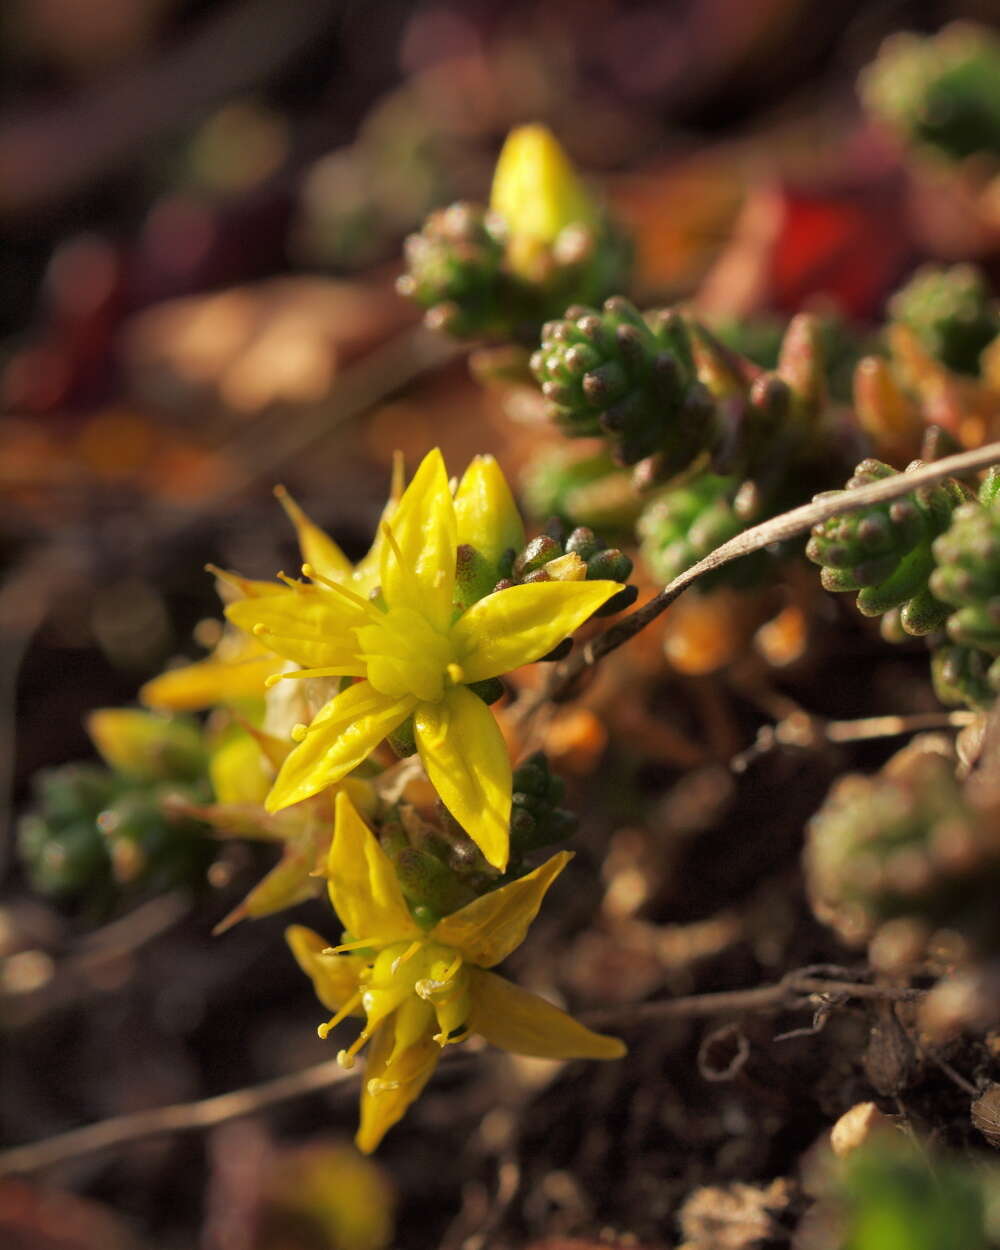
806 732
800 988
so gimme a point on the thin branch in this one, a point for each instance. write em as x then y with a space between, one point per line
182 1117
777 529
796 989
78 975
809 732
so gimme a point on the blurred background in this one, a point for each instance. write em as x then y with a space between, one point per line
202 209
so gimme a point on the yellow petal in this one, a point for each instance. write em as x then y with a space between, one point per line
390 1088
465 757
289 882
237 769
521 624
424 531
535 188
485 511
515 1020
231 585
490 927
316 546
209 683
367 570
341 736
364 889
334 977
310 626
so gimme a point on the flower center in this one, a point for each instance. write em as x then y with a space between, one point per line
419 984
405 654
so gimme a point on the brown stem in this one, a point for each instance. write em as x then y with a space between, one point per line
777 529
793 990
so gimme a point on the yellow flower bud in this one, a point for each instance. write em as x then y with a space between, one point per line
535 188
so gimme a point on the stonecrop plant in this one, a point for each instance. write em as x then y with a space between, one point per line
368 718
406 648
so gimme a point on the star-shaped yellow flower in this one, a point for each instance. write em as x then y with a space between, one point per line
417 651
420 990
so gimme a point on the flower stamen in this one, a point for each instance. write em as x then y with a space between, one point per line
310 571
325 1029
407 955
347 1057
302 673
404 568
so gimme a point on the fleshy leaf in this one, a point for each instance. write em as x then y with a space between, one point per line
522 623
316 546
390 1088
490 927
363 886
334 977
311 626
424 530
485 512
342 736
516 1020
466 759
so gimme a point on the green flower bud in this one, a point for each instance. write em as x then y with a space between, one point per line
961 677
581 490
612 373
967 576
884 551
685 523
939 91
951 311
94 832
905 844
537 819
427 882
454 269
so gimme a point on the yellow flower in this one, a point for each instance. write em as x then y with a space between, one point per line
417 652
420 990
535 188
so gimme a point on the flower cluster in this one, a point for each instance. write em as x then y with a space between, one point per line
407 648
